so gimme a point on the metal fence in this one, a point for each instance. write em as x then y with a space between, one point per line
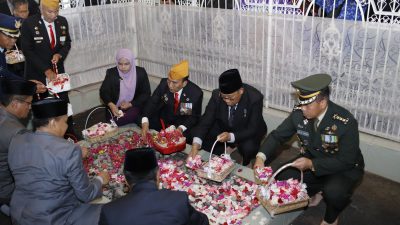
275 42
97 33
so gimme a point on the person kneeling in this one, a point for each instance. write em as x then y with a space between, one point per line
145 204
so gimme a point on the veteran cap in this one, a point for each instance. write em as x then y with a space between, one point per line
230 81
9 25
179 71
49 108
308 88
140 160
53 4
17 87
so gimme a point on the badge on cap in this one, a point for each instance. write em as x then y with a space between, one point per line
18 24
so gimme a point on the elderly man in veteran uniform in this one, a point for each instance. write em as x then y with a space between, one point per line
145 204
330 155
233 115
51 184
176 101
15 105
46 42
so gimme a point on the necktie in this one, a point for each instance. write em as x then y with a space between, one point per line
176 102
52 38
316 121
232 111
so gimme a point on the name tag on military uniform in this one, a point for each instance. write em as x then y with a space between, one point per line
38 40
303 133
186 109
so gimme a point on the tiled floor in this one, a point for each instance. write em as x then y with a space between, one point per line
375 202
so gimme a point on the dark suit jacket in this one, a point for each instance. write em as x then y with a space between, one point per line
248 121
162 101
338 123
109 90
36 46
145 205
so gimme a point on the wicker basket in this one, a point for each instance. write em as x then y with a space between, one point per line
104 137
202 172
277 209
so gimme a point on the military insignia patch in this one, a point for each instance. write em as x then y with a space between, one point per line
303 133
296 107
337 117
165 98
330 141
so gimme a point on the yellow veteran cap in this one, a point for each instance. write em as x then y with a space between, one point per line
51 3
179 71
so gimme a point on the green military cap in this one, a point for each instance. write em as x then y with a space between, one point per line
308 88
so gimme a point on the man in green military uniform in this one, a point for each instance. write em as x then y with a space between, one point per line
330 155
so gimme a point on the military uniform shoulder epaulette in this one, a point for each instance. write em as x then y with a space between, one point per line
337 117
296 107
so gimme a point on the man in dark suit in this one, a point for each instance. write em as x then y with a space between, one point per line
233 115
145 204
46 42
330 154
176 101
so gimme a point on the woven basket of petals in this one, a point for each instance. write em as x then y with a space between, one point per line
218 167
99 132
283 196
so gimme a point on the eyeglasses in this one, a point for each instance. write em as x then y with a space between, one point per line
23 101
230 97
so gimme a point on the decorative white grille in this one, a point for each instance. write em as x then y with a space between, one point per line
97 33
271 44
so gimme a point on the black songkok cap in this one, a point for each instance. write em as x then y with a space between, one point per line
140 160
17 87
309 88
230 81
49 108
